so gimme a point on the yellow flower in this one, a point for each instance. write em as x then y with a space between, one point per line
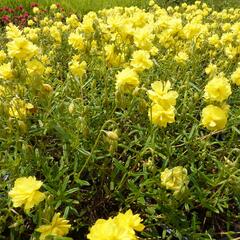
151 3
73 21
3 56
36 10
162 95
22 49
53 7
94 46
32 36
25 192
141 61
130 220
211 70
2 90
6 71
161 116
30 22
230 51
13 31
214 41
45 30
181 57
58 15
112 57
45 59
48 70
175 179
35 67
55 34
214 118
58 227
76 41
19 108
87 24
110 230
192 30
218 89
127 80
235 77
154 51
77 69
143 37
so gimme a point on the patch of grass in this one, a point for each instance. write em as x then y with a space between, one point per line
84 6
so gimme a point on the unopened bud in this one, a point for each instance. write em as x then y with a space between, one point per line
71 107
47 87
112 135
196 96
22 125
142 105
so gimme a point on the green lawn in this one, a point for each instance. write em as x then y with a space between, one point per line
89 5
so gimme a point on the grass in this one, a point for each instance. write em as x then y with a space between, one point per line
82 6
85 6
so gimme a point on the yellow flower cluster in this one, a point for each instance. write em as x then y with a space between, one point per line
25 193
19 108
126 49
127 80
78 69
163 99
123 226
6 71
134 40
236 77
217 90
112 57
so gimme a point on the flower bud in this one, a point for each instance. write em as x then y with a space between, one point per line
22 125
112 135
36 10
47 87
71 107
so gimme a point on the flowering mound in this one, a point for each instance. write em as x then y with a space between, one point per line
124 108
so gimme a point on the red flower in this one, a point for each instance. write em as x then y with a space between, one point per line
33 5
10 10
26 15
6 19
19 8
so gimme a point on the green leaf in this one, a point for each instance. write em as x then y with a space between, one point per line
82 182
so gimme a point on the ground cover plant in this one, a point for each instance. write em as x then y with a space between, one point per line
83 6
121 124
